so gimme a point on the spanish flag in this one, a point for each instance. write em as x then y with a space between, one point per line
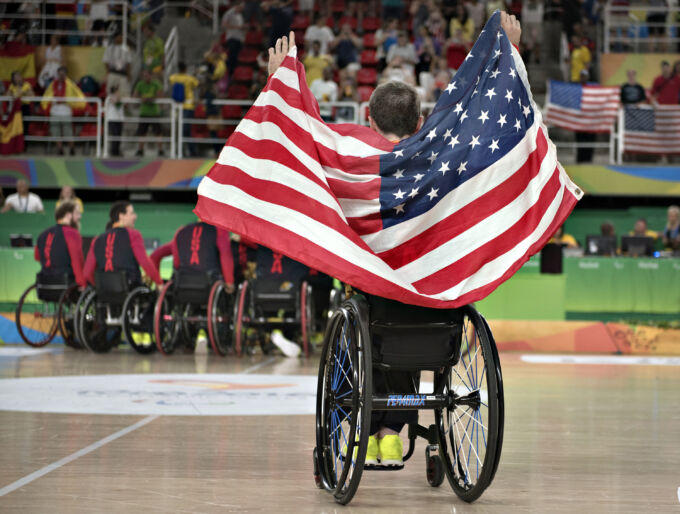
15 56
11 129
66 89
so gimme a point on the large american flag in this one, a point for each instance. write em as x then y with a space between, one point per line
439 219
584 108
652 129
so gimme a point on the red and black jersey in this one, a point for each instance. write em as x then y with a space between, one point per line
273 265
202 247
59 250
120 249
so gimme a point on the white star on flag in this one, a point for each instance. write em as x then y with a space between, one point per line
490 93
433 157
463 116
458 108
447 133
508 94
432 194
399 174
418 176
445 167
413 192
399 195
518 124
462 167
501 120
454 141
451 87
398 153
495 73
512 72
400 208
432 134
494 145
474 142
484 116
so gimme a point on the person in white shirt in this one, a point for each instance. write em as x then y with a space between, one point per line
325 90
319 32
23 200
118 59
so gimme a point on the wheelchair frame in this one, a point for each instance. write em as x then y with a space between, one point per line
467 434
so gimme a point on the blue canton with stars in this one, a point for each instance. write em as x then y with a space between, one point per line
481 115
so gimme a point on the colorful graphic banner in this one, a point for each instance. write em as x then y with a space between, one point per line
613 67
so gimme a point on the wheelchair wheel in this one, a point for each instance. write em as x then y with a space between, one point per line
220 310
95 335
241 305
166 326
67 317
36 321
78 312
138 312
471 429
306 316
343 401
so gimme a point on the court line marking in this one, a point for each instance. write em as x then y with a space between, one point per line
70 458
630 360
258 365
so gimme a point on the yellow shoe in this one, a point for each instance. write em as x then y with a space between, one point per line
391 451
141 338
371 452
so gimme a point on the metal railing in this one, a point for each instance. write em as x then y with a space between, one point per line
169 122
37 22
171 56
624 30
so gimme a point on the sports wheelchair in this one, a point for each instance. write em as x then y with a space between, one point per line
47 307
370 335
113 306
192 301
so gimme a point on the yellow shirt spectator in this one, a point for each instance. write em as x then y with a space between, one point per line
467 29
314 66
75 200
23 90
190 83
580 60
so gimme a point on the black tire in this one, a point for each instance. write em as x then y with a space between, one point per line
470 430
345 373
166 323
67 317
434 470
220 319
36 321
94 334
241 306
77 313
138 312
307 317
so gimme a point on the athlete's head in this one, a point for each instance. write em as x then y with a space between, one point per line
122 214
68 213
394 110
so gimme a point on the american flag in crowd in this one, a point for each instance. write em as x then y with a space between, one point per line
652 129
584 108
439 219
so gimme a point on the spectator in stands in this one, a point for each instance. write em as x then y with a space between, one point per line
396 70
258 83
580 58
18 88
420 11
666 87
59 249
346 49
252 10
392 9
61 124
425 51
462 22
148 89
120 248
281 12
183 86
212 112
306 8
115 115
67 194
118 61
215 61
325 90
385 37
476 11
53 61
532 27
405 51
348 93
656 21
235 35
436 26
640 230
607 229
23 200
97 21
671 234
434 82
320 32
632 93
584 140
154 50
564 239
315 62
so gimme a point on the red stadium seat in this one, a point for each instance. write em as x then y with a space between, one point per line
368 58
348 20
365 92
248 56
199 111
225 132
88 130
38 129
300 22
199 131
243 74
367 76
253 38
369 40
371 24
232 112
338 6
330 22
237 92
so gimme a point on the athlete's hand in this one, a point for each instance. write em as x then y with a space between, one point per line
512 27
229 288
278 53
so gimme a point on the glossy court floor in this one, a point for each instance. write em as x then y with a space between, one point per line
579 437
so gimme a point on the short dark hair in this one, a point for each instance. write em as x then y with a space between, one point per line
64 208
118 208
395 108
181 67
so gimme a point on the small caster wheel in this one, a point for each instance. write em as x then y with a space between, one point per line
317 475
434 471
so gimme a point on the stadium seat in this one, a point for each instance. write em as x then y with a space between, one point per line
199 131
243 74
300 22
338 6
237 92
39 129
371 24
88 130
253 38
233 112
369 40
365 92
368 58
248 56
367 76
225 132
348 20
330 22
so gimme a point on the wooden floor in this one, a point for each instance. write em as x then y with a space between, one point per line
578 438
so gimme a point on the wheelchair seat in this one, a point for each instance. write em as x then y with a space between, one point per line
192 287
412 337
50 286
112 287
271 296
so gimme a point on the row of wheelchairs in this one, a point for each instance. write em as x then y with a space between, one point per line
168 318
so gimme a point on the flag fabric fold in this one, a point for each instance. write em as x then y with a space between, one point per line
15 56
11 128
439 219
583 108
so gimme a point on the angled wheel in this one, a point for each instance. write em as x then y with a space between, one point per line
241 306
36 321
166 325
306 316
220 318
67 317
343 401
78 312
138 311
95 335
471 428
